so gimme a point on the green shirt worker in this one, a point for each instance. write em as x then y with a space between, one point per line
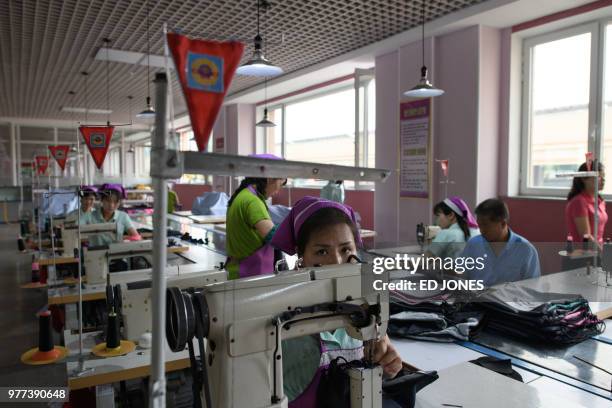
111 195
250 227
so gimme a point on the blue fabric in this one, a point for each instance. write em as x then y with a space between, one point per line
211 203
278 213
54 204
517 261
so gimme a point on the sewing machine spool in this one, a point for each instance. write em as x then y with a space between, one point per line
113 346
46 352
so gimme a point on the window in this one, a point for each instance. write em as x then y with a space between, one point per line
112 163
563 97
143 160
187 143
321 127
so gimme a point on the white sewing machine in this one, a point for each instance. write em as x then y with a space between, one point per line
249 318
136 292
96 260
70 234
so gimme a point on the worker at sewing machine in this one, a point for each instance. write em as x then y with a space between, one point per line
457 226
111 195
84 213
580 208
322 232
250 227
506 256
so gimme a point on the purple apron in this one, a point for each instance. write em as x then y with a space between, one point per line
308 398
260 262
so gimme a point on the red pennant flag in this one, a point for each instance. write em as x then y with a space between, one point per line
60 154
97 139
205 69
444 167
42 162
589 160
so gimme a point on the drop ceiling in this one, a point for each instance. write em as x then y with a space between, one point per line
45 44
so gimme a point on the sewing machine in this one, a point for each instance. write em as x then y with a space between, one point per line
245 320
135 289
96 260
426 233
70 234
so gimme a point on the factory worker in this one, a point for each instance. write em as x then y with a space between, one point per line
506 256
580 208
86 209
249 226
111 195
322 232
457 226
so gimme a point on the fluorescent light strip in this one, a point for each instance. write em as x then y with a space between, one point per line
134 58
83 110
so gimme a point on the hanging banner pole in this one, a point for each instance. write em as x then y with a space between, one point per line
158 375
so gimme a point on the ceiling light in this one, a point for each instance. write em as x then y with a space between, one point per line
265 122
424 89
84 110
131 149
149 112
259 65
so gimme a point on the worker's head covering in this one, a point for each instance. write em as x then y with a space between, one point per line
266 156
87 190
108 187
286 236
459 207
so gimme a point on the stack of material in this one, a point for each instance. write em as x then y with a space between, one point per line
553 318
433 319
210 203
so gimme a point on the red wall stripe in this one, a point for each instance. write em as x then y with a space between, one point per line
561 15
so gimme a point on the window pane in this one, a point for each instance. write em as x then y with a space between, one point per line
607 108
559 109
322 129
273 135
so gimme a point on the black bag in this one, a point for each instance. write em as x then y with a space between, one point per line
334 387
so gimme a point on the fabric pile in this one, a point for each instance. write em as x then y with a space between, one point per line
553 318
433 319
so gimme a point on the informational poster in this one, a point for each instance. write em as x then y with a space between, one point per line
415 125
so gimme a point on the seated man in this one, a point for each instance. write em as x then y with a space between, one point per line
508 257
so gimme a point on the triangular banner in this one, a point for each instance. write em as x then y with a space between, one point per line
97 139
42 162
588 156
60 154
205 69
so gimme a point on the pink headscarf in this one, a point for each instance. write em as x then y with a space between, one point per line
459 207
286 236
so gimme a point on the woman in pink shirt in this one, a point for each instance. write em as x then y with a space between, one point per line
580 209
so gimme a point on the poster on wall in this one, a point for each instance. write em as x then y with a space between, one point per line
415 127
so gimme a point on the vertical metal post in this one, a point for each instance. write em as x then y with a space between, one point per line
123 162
55 165
16 165
158 375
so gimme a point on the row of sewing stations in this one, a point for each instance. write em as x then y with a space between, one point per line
575 374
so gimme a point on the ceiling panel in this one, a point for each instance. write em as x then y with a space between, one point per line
45 44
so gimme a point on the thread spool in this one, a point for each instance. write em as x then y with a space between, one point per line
35 271
112 332
46 352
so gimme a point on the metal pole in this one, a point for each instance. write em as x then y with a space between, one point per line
158 376
596 215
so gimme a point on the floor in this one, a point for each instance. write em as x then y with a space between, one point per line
18 323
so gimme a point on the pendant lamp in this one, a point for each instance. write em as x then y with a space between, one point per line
149 112
259 65
424 89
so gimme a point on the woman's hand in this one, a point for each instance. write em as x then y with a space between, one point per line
387 356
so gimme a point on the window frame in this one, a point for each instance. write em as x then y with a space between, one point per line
597 28
329 90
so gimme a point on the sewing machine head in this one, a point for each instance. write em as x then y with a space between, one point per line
96 260
70 234
135 289
245 320
426 233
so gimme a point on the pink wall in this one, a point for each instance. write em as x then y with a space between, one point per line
361 201
188 192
